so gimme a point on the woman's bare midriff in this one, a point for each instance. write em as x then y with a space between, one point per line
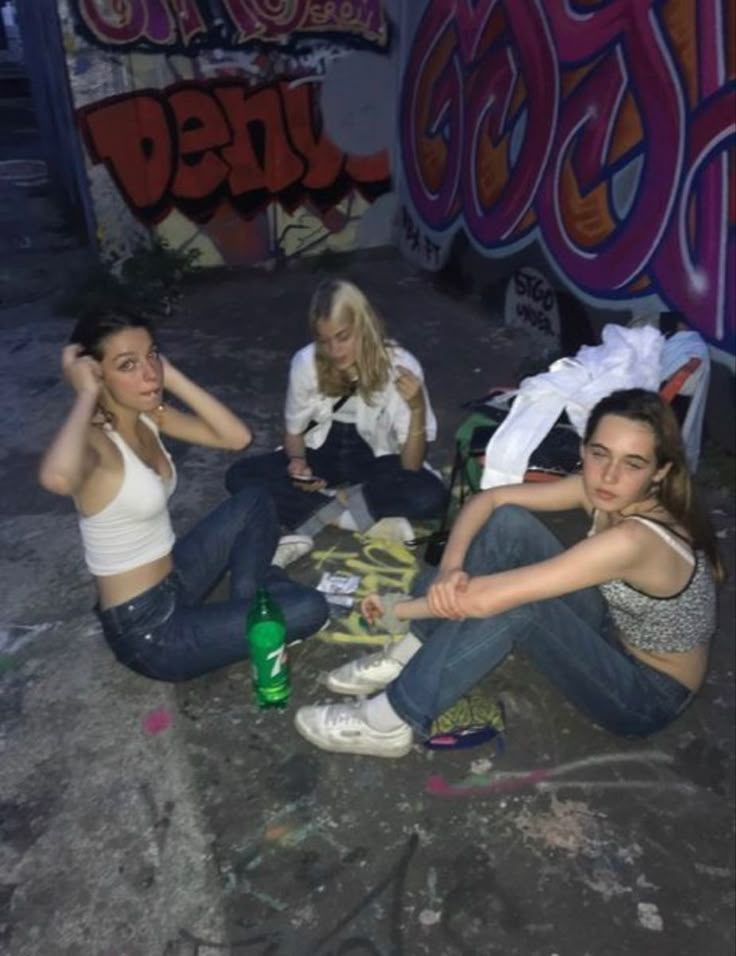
116 589
687 667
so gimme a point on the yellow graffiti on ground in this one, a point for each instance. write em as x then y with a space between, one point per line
382 565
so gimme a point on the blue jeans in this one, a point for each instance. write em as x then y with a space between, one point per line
570 639
168 632
344 458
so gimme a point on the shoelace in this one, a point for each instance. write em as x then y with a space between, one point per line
371 661
341 714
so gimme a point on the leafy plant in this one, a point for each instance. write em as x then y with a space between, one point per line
149 280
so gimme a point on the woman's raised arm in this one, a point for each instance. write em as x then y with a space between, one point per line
70 458
210 423
563 495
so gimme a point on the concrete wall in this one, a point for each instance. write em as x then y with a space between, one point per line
43 60
248 130
595 140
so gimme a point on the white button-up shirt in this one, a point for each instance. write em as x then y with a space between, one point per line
384 424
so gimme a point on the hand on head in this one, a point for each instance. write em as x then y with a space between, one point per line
82 372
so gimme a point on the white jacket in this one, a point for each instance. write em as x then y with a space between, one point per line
628 358
384 424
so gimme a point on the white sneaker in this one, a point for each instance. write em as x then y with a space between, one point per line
341 728
365 675
392 529
290 548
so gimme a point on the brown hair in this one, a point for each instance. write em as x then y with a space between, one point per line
91 331
339 299
676 493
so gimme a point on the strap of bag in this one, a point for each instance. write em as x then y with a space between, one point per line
457 470
335 408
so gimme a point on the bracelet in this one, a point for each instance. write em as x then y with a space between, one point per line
297 458
415 432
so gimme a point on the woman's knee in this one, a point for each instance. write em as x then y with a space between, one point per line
501 539
508 518
309 609
254 500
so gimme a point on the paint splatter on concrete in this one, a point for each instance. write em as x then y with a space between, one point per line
157 721
649 917
430 917
570 825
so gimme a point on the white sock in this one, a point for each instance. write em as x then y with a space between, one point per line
380 715
346 521
405 649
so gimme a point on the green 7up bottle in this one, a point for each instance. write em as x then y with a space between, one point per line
266 632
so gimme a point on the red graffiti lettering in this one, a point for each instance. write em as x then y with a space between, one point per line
132 137
201 129
261 156
192 146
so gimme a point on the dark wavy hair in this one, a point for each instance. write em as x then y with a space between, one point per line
676 492
91 331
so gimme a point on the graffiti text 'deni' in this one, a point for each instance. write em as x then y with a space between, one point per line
192 146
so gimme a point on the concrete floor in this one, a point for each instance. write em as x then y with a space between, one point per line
139 819
226 832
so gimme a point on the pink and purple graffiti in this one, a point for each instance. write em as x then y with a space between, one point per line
607 131
190 25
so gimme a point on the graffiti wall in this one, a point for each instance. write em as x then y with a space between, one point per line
250 130
602 131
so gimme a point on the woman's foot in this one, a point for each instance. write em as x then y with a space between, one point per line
290 548
392 529
373 672
343 728
364 676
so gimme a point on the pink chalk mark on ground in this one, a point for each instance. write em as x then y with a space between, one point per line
157 721
439 787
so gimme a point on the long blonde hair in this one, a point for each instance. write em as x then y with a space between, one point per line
342 300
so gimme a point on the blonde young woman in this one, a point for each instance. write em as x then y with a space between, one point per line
109 457
357 415
620 622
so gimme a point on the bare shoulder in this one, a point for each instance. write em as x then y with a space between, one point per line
632 541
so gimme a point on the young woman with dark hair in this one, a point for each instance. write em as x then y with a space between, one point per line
621 622
109 457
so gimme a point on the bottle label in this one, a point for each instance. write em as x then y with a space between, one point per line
278 660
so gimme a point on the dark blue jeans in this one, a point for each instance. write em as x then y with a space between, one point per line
570 639
344 458
168 632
